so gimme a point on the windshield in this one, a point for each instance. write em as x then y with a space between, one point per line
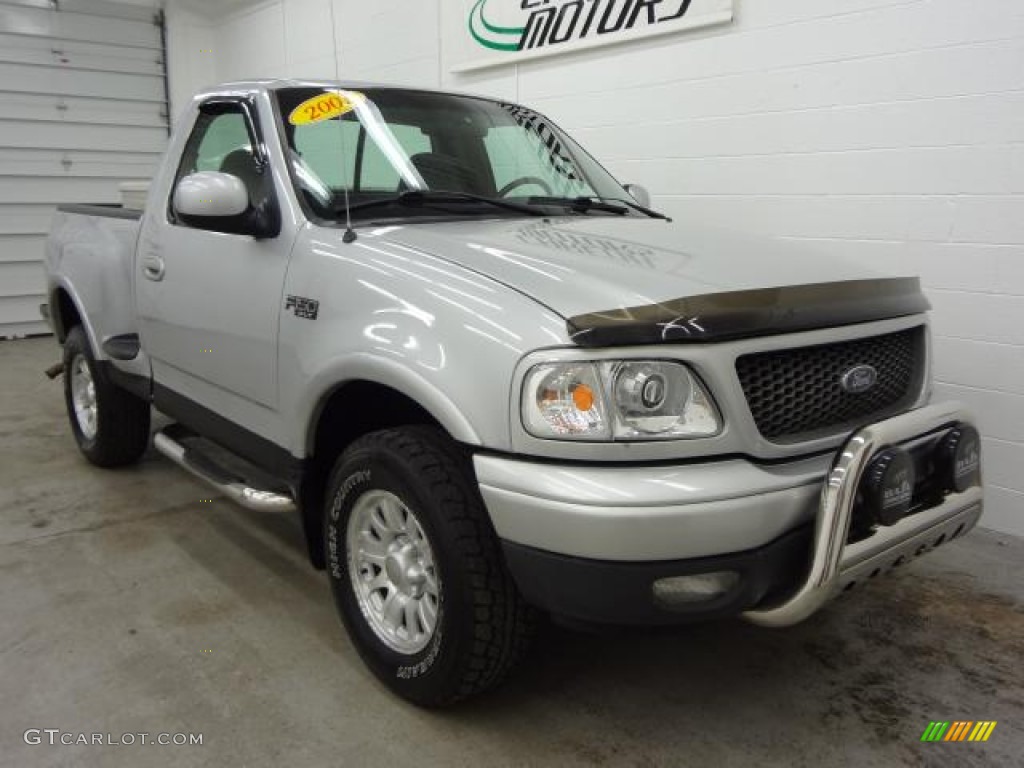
381 142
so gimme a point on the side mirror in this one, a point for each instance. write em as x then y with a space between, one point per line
209 194
640 194
219 202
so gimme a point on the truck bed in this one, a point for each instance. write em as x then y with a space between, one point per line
90 254
107 210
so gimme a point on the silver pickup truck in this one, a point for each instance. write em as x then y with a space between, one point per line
494 383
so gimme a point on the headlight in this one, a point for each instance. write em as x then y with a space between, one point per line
617 400
660 400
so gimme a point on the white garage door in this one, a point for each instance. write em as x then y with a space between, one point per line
83 107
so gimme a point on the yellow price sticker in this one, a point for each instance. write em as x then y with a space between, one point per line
324 106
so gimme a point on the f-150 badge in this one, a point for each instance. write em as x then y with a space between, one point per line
303 307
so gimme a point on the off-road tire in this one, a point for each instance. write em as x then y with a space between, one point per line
483 625
122 424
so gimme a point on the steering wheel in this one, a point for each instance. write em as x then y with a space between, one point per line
522 181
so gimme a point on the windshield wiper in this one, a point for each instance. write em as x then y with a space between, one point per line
598 203
579 204
418 198
637 207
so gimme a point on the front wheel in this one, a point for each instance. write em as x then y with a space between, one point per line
416 571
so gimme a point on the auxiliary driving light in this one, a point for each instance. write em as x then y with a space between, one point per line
887 487
697 588
958 458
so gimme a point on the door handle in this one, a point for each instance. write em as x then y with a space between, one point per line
153 267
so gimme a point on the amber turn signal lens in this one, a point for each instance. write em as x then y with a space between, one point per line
583 397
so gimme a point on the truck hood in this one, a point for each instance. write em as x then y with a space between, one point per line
632 280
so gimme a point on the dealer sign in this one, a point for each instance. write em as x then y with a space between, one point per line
496 32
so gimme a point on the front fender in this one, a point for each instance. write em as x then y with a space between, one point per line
444 336
364 367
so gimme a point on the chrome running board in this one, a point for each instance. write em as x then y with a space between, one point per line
224 480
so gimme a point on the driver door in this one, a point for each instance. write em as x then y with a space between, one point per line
209 302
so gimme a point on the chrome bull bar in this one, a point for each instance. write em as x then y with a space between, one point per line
836 565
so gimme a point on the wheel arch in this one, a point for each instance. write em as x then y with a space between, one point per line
67 310
345 412
390 379
65 313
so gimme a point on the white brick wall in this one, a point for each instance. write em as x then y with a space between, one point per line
385 40
191 56
886 130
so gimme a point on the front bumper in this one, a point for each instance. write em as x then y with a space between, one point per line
589 542
609 592
642 513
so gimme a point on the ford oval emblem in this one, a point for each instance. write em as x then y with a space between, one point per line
858 379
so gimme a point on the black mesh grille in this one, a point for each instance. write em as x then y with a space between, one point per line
795 394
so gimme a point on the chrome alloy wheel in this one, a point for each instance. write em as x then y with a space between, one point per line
392 571
83 397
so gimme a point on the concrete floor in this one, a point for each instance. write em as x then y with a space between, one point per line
130 605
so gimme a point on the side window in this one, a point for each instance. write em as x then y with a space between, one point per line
221 142
213 139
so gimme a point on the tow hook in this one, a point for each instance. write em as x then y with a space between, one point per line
54 371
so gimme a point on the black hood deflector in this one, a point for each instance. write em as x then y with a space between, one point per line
745 314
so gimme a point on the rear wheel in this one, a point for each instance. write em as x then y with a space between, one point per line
416 570
110 425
